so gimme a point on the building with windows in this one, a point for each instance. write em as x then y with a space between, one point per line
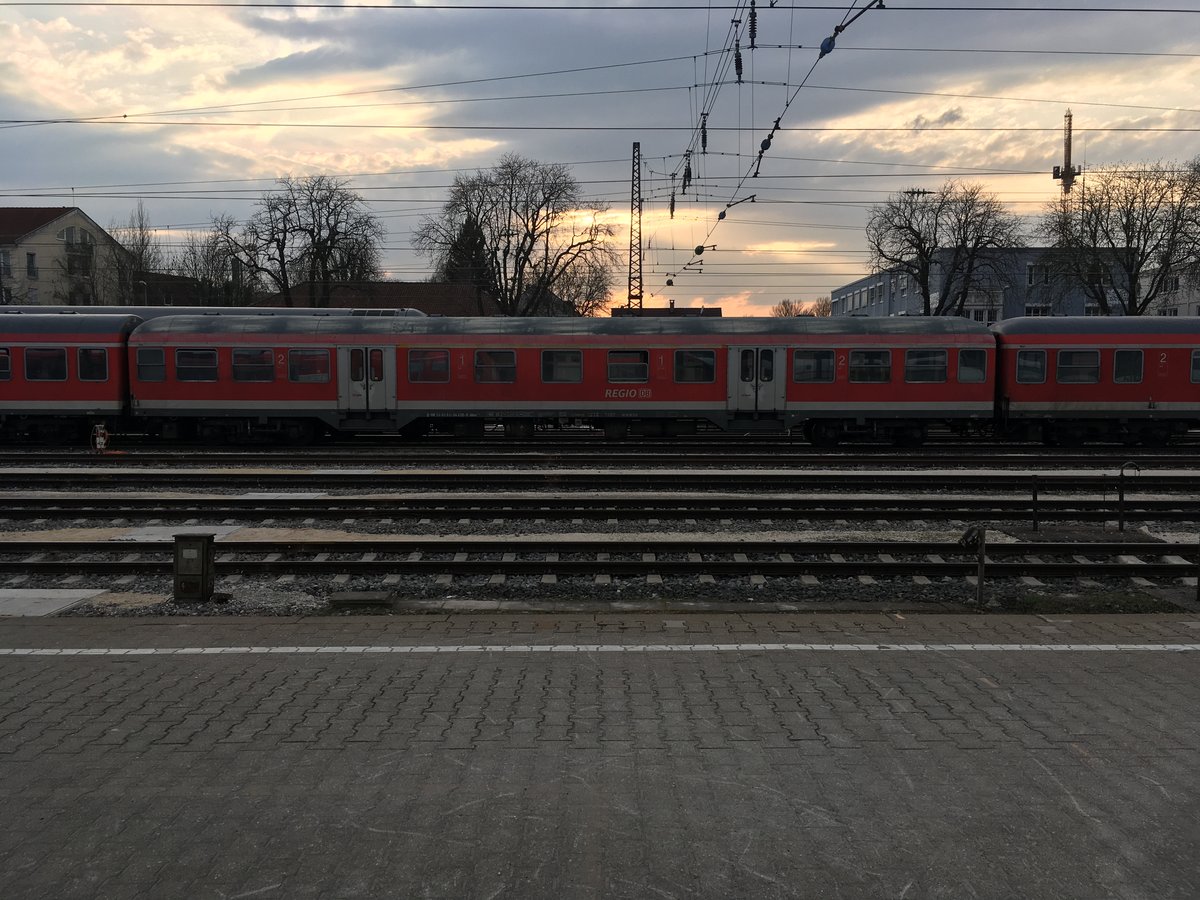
1018 282
1180 296
56 255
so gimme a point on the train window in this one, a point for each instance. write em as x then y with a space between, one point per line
1196 367
5 365
357 369
1078 366
812 366
1031 366
746 367
629 366
870 366
562 366
254 364
195 365
495 366
766 366
429 366
45 364
308 366
972 366
93 364
1127 367
695 366
925 366
375 363
151 364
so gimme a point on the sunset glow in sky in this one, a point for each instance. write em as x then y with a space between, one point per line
196 109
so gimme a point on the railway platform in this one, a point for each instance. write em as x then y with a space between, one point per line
601 755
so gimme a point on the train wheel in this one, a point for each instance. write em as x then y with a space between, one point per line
616 431
299 434
1155 437
519 429
912 436
823 434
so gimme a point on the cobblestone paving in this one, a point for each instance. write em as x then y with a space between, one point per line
797 773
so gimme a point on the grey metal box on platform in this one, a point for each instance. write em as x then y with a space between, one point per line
195 566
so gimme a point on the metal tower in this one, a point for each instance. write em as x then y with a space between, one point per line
635 229
1066 173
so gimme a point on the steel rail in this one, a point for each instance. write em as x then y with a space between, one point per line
613 457
667 508
602 544
580 480
874 558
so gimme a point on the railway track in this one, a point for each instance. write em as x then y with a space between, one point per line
501 455
386 511
741 481
592 558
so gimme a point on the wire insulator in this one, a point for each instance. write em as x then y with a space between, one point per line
704 132
753 24
672 206
687 172
737 60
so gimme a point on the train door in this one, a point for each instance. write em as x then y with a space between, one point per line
757 379
366 381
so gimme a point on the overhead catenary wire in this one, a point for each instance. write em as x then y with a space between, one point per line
743 158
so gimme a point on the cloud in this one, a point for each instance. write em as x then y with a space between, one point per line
949 117
301 65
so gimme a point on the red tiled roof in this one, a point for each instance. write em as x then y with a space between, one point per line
432 298
18 221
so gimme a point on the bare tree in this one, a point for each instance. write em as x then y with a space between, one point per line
203 260
1126 232
821 307
141 253
537 237
587 286
312 229
946 241
138 238
785 309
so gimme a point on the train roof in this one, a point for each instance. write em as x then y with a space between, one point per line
799 325
53 323
1097 325
154 312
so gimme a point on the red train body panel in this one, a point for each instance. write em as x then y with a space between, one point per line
62 369
251 377
1134 379
645 376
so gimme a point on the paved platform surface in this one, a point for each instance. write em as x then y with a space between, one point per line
42 601
601 756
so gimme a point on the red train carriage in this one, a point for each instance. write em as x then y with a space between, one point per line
227 378
889 378
1074 379
60 374
230 376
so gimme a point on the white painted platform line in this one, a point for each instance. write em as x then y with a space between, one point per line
46 602
423 649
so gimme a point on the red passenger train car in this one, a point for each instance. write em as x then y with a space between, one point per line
228 377
60 374
237 378
1075 379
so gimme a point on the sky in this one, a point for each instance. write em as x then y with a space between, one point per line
195 108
